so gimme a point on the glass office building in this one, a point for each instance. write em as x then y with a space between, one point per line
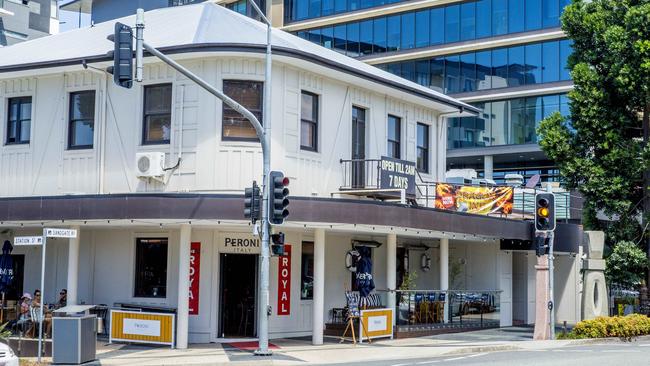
508 57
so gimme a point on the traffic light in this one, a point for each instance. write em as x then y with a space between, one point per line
541 245
277 248
279 200
122 55
252 203
544 212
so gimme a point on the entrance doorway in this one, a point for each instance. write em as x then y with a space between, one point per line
238 295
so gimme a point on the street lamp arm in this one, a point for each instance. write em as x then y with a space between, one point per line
214 91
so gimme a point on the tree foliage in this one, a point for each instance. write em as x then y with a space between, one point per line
600 150
626 265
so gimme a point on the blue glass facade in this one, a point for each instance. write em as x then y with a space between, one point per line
530 64
504 122
245 8
435 26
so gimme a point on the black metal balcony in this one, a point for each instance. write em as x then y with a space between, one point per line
360 174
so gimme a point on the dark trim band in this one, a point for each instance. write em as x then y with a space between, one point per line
303 209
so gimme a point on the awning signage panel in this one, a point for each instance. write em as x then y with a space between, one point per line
475 199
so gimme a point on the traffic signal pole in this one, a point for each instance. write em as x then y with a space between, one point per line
551 299
263 134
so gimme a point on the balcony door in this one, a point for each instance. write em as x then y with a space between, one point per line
358 173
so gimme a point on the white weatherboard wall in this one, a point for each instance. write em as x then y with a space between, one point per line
46 167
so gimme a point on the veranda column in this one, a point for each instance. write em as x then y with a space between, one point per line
488 167
444 273
73 269
319 287
182 325
391 270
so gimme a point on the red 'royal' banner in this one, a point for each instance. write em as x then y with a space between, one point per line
195 270
284 282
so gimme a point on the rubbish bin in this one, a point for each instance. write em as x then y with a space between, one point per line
74 335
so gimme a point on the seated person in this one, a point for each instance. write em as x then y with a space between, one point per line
63 299
24 315
36 305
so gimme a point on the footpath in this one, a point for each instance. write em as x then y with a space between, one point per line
300 351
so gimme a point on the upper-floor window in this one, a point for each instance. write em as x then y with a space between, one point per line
244 7
157 116
394 137
424 27
249 94
535 63
309 121
422 162
19 120
81 127
150 267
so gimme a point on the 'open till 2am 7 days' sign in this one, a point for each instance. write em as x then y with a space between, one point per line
284 282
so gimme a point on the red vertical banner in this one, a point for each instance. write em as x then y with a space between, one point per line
284 282
195 270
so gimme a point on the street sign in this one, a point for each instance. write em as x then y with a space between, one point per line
61 233
28 240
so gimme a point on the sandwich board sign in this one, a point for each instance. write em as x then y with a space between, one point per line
28 240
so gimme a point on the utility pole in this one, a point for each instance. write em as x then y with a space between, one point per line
263 132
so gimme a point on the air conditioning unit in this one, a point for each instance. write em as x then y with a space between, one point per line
150 164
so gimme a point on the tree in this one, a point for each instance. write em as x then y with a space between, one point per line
626 265
602 150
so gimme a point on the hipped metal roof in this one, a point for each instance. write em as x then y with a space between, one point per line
205 27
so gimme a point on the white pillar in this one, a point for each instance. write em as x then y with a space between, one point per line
391 271
182 315
444 273
73 269
488 167
319 287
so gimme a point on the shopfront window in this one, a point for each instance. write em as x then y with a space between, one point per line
150 268
307 271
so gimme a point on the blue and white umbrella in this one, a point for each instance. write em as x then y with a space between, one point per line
365 282
6 267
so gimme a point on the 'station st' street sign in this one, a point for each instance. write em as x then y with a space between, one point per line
28 240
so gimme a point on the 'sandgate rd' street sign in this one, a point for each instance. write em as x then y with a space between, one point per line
28 240
61 233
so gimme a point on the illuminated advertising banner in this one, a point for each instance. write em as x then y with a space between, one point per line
475 199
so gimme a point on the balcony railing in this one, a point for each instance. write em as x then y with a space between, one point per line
364 177
360 174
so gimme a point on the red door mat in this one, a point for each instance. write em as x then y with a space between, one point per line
250 346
